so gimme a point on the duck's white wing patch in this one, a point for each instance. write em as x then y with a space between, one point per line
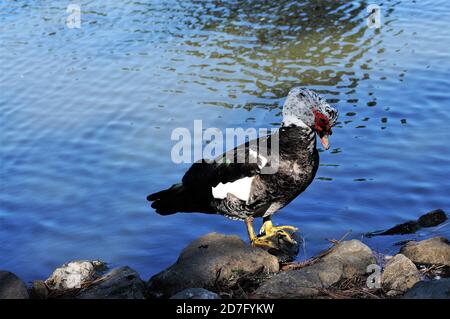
240 188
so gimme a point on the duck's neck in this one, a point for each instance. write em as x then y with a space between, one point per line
294 139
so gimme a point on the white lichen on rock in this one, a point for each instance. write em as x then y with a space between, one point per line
74 274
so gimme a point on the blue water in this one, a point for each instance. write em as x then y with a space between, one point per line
86 117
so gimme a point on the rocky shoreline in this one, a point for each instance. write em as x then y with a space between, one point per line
219 266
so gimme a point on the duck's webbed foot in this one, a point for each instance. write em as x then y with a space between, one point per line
286 232
278 241
258 241
271 237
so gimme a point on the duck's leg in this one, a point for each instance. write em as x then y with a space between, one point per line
262 242
269 230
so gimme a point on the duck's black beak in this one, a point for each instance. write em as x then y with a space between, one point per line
325 141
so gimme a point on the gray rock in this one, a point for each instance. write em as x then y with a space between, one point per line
301 283
39 290
399 275
211 258
434 289
119 283
328 271
354 257
74 274
195 293
11 287
431 251
346 260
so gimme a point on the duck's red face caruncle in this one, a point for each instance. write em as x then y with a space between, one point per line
322 126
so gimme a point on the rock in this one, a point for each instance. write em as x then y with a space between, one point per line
74 274
195 293
348 259
399 275
433 218
431 251
434 289
301 283
39 290
329 271
209 259
119 283
11 287
392 293
402 229
430 219
354 256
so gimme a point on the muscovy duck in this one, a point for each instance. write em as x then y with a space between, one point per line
240 189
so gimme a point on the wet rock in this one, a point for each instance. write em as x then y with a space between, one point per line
402 229
39 290
433 218
11 287
209 259
195 293
346 260
430 219
119 283
433 289
434 251
399 275
74 274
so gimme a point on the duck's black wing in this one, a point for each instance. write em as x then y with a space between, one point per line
194 193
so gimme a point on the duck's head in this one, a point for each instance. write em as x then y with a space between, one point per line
305 108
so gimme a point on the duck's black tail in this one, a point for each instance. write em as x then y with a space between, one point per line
169 201
179 199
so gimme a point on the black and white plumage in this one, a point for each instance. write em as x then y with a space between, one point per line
240 190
